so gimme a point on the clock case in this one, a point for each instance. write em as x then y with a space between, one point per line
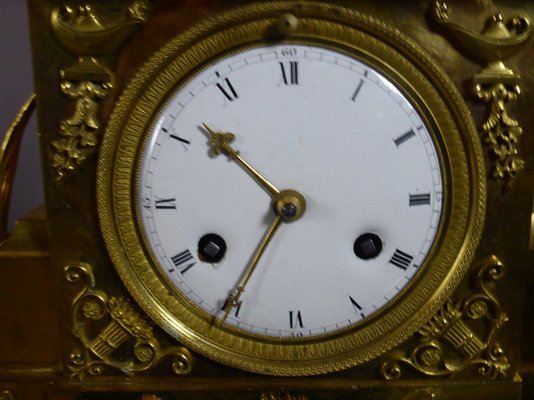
59 298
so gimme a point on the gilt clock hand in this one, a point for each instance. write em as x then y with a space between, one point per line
233 300
220 143
288 206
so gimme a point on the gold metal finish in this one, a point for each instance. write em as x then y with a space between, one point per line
420 395
393 55
220 142
287 24
500 133
36 338
79 133
233 300
290 205
452 341
496 85
9 153
83 34
7 395
284 396
113 334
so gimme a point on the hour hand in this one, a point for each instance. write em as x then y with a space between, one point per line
221 143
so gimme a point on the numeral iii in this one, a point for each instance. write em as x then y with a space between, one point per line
401 259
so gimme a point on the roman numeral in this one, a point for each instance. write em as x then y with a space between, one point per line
174 136
357 91
357 307
147 203
227 89
404 137
401 259
165 204
291 78
295 320
236 306
184 261
419 199
181 140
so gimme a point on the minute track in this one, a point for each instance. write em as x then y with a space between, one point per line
265 143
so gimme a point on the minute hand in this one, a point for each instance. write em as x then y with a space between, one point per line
233 300
220 142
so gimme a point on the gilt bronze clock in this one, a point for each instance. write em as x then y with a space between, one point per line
294 192
274 200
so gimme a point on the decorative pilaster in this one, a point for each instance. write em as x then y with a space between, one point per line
496 85
84 34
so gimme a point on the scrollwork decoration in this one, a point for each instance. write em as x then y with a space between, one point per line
113 334
84 34
450 343
495 84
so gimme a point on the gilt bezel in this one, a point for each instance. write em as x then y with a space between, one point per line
378 45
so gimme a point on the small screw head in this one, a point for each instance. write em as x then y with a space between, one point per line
287 24
289 210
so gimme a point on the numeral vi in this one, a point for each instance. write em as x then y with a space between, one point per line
295 320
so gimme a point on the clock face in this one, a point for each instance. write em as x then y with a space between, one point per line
312 120
291 205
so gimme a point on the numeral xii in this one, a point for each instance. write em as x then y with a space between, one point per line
290 73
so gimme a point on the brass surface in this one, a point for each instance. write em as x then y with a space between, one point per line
450 343
220 143
271 396
8 159
82 33
234 299
112 334
496 85
36 339
343 30
7 395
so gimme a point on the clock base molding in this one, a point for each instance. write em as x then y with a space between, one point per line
164 389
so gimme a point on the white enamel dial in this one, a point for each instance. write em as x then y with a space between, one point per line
312 120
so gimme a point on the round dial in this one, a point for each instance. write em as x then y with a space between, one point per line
291 195
311 120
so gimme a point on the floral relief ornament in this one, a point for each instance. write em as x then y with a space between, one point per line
495 84
83 33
